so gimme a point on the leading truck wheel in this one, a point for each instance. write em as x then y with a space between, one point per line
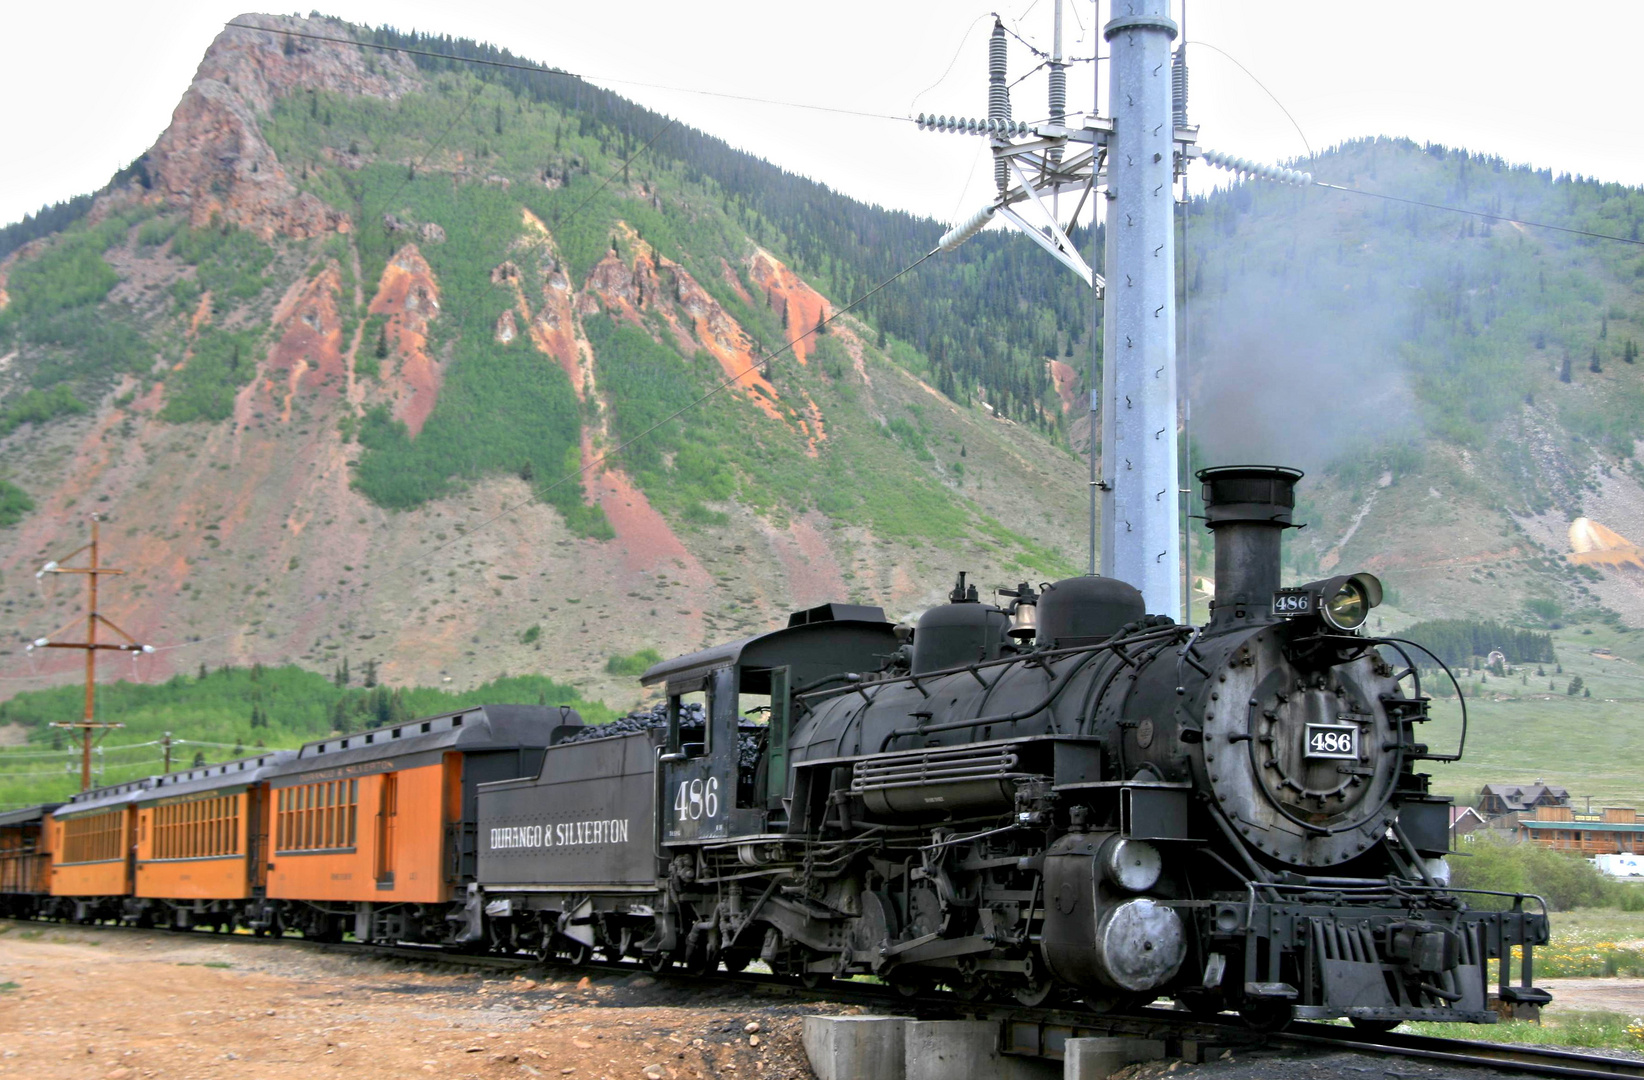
1372 1026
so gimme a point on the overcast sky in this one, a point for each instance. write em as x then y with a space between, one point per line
88 86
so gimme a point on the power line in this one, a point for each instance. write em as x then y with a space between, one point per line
1229 56
542 70
1480 213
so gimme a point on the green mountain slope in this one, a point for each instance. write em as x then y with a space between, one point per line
354 355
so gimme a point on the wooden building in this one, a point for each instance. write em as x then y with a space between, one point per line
1614 830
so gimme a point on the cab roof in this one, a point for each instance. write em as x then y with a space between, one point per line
816 642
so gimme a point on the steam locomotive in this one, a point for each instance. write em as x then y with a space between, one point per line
1063 799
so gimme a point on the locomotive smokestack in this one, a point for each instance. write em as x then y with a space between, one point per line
1248 507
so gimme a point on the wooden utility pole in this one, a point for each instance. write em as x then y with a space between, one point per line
88 726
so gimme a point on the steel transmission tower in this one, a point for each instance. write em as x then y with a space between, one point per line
1141 535
1132 159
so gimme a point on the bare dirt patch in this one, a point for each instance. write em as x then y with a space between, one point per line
1596 995
124 1005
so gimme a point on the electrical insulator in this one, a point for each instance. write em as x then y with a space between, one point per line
966 229
1178 87
998 98
1242 167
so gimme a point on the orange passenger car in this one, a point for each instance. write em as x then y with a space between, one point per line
202 842
25 861
93 846
373 833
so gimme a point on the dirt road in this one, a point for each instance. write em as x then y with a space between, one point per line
84 1003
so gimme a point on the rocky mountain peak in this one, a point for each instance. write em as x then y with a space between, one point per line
213 160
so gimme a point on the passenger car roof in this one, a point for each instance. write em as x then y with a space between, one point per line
480 727
206 778
27 814
104 798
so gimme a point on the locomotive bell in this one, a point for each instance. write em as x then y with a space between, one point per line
1024 611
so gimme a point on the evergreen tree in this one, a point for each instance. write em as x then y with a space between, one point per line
1564 369
199 760
370 674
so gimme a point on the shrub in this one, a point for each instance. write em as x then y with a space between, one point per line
38 406
634 664
14 503
1564 879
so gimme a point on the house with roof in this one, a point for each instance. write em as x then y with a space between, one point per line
1495 800
1464 821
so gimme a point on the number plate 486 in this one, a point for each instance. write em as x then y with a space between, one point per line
1337 741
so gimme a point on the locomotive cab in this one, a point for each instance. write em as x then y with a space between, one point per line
728 775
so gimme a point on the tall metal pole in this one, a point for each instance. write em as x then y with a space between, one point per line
1139 481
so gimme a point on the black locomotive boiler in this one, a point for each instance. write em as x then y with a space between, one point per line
1064 799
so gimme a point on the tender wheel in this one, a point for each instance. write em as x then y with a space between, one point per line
1033 994
1372 1026
658 962
576 953
912 988
1267 1015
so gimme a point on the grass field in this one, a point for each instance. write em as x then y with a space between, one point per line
1527 727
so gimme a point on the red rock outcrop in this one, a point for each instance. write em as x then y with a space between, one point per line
308 356
801 307
213 159
410 297
1066 381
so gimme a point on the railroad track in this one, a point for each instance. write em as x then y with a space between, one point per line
1041 1032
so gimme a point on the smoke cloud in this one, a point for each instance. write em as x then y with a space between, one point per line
1286 376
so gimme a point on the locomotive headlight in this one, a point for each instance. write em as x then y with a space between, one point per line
1350 604
1343 602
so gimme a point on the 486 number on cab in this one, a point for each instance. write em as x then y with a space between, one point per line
697 799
